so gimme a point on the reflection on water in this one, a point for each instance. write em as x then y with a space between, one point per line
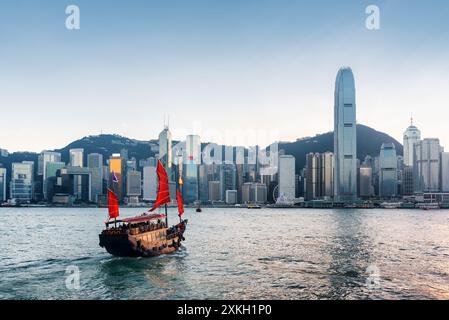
233 254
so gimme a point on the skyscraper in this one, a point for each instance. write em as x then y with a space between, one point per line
133 184
2 184
345 137
327 174
150 183
313 176
22 181
94 160
388 178
165 151
191 161
228 178
44 158
411 136
116 170
287 177
426 165
76 157
366 181
444 172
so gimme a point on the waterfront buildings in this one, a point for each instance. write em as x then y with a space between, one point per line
228 178
76 157
426 165
388 179
345 137
21 186
286 172
214 191
313 176
3 182
116 173
192 159
231 197
203 183
411 136
165 151
253 192
366 181
133 184
94 160
43 159
445 171
149 183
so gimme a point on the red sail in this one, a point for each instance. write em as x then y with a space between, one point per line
163 194
180 204
113 205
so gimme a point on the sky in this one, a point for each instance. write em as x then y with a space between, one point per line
246 70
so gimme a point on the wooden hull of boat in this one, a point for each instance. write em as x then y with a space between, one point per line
147 244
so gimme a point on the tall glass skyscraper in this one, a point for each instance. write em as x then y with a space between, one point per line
191 161
165 151
22 181
388 180
411 136
426 165
345 137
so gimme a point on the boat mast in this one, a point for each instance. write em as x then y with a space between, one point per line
166 216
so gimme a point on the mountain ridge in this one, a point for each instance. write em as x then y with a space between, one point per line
369 142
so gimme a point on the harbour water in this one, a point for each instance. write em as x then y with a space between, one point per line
232 254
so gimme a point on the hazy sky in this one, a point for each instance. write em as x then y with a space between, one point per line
225 65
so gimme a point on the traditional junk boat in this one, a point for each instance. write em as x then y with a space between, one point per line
147 235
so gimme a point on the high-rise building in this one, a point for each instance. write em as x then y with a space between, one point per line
116 171
21 187
345 137
95 163
427 165
231 196
193 149
313 176
192 159
228 178
286 171
44 158
94 160
411 136
214 191
366 181
191 183
253 192
133 184
445 171
2 184
407 181
327 175
76 157
388 178
165 151
203 183
150 183
259 193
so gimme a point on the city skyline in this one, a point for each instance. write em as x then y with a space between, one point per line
264 65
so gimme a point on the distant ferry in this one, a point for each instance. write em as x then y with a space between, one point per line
146 235
254 206
391 205
428 206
